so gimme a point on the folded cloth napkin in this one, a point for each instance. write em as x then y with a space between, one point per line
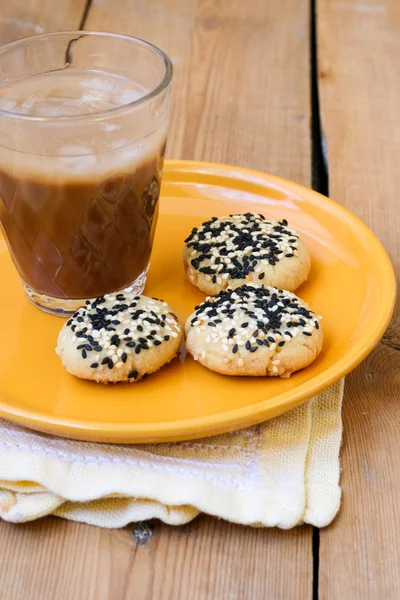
281 473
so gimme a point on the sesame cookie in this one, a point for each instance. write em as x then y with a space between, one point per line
231 251
119 337
252 330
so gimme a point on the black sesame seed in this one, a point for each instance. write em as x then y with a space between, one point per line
105 361
84 354
137 350
127 339
261 276
248 345
124 356
131 344
316 324
133 375
259 342
157 342
110 363
69 322
94 365
254 348
126 331
88 347
144 346
97 348
244 324
167 337
281 344
235 349
270 339
307 333
142 340
140 328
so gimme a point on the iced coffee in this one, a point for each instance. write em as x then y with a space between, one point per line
80 176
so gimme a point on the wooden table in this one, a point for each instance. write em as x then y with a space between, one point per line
266 84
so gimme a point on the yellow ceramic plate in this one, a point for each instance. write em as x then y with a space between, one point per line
351 284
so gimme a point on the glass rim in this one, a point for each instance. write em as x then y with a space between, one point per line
164 83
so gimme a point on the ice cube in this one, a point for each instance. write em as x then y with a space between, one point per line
98 83
75 151
8 104
126 96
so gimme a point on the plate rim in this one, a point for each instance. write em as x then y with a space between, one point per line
208 425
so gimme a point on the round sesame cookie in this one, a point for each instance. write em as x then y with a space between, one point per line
255 331
238 249
119 337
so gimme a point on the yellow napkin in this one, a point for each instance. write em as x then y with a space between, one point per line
281 473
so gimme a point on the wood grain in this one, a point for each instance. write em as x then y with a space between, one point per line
21 18
359 84
60 560
241 77
241 95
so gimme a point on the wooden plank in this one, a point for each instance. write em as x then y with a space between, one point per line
241 77
241 95
21 18
359 90
61 560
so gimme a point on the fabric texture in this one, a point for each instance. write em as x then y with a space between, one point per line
282 473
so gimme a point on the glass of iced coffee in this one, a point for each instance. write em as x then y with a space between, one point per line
83 129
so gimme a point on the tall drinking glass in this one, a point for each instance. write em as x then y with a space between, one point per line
83 129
